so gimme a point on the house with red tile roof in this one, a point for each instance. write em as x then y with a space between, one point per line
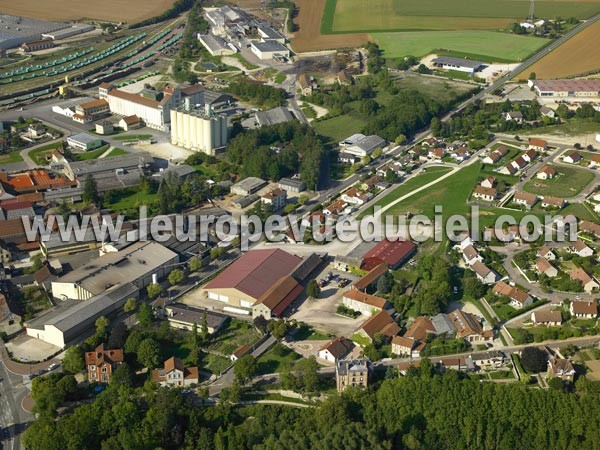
380 323
101 363
336 349
174 373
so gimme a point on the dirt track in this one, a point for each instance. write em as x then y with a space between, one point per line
129 11
308 38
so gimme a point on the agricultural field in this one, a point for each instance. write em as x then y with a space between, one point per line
569 183
577 56
131 11
401 15
309 38
490 46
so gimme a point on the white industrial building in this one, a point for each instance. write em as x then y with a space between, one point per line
459 64
135 264
269 50
215 45
84 142
589 88
199 130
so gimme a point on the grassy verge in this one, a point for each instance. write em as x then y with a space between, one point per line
569 183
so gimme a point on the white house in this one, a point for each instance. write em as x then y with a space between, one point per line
336 349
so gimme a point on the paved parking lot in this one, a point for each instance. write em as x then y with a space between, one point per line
321 312
26 348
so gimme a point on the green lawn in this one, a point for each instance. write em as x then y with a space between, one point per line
569 183
276 358
338 128
503 311
10 158
39 154
445 91
572 127
235 334
374 15
92 154
486 45
433 173
128 199
117 152
453 193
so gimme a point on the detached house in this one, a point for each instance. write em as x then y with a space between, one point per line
552 202
407 346
355 196
546 318
489 182
175 374
519 299
514 116
101 363
277 198
496 155
587 282
484 273
525 199
364 303
546 173
581 249
380 323
530 155
508 169
583 309
336 349
561 368
544 267
573 158
471 255
487 194
538 144
352 373
546 252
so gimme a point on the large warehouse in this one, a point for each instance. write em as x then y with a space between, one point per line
135 264
15 31
200 130
566 88
65 323
262 282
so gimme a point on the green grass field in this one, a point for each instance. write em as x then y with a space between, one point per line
12 157
338 128
568 183
453 193
478 44
433 173
386 15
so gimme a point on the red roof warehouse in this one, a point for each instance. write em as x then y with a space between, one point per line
394 253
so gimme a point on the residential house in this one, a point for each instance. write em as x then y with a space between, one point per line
101 363
514 116
525 199
484 273
508 169
129 123
335 208
538 144
552 202
547 112
489 361
546 252
336 349
544 267
581 249
355 196
496 155
174 373
519 299
487 194
546 173
277 198
380 323
436 153
547 318
420 329
530 155
306 84
471 255
407 346
573 158
353 372
364 303
590 227
461 154
489 182
584 309
519 163
587 281
469 328
561 368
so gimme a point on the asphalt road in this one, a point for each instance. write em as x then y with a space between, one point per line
13 419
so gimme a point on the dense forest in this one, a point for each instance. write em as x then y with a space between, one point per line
258 94
422 410
277 151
